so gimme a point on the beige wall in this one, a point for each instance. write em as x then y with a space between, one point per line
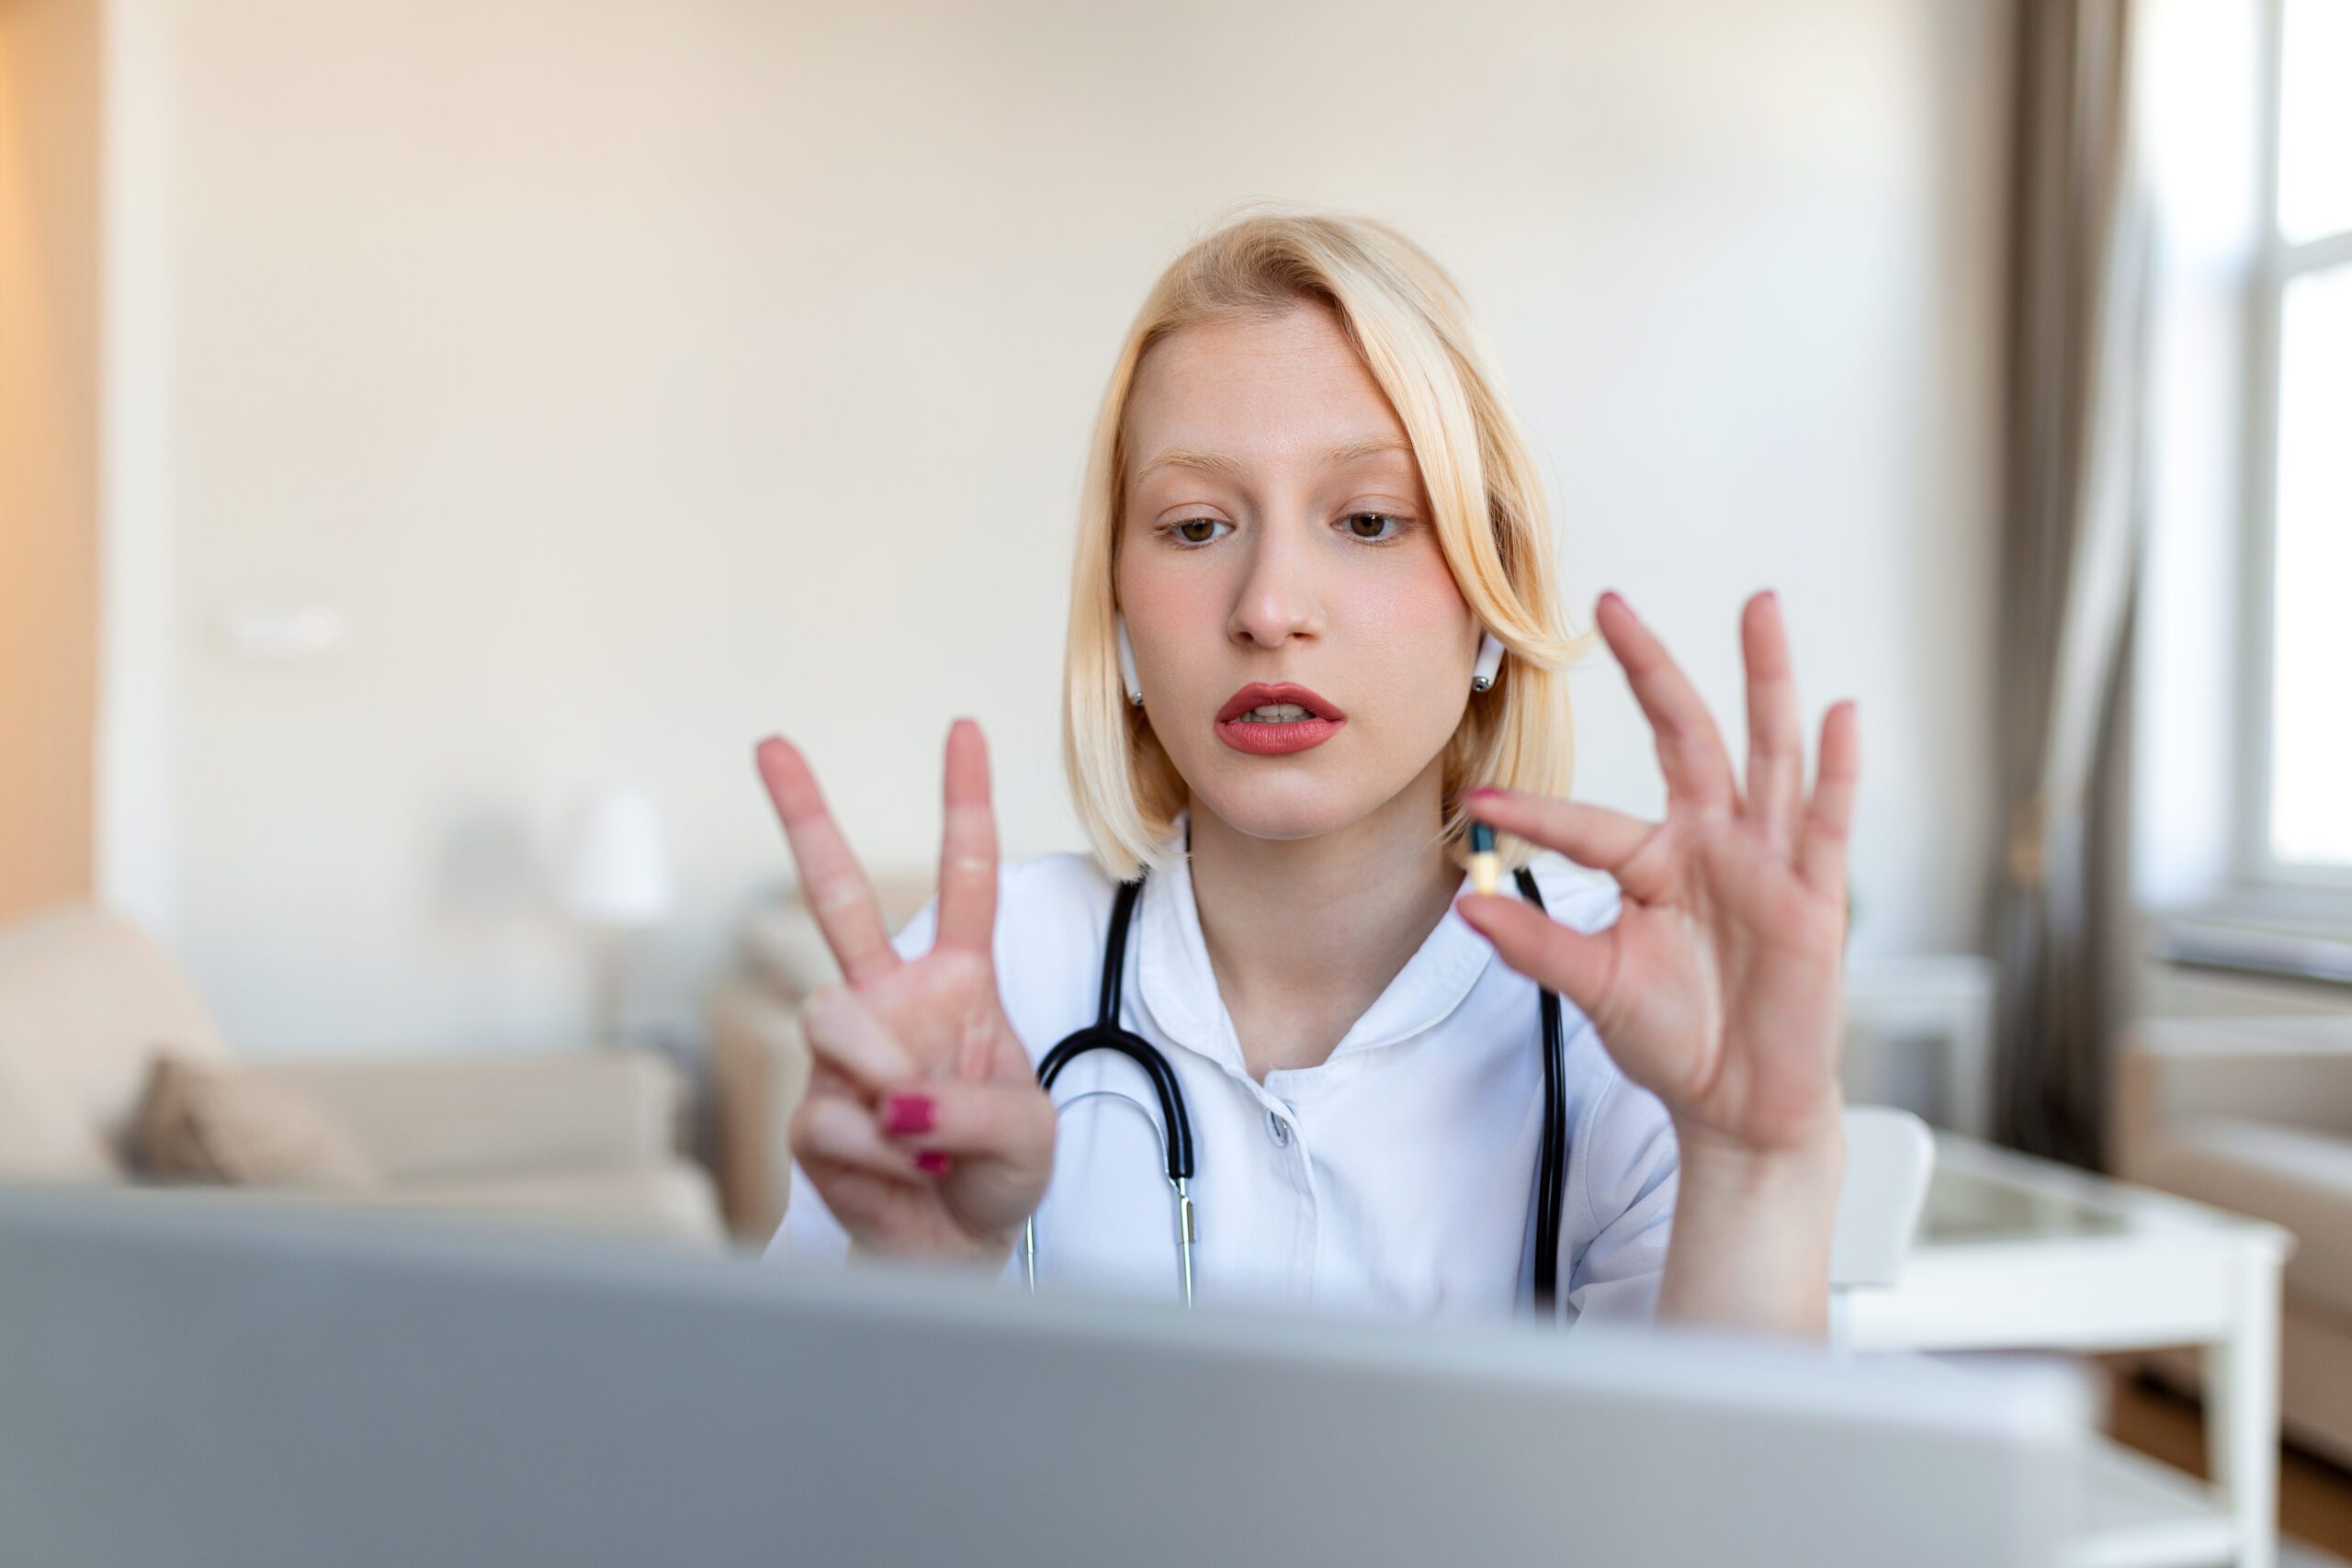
635 379
49 445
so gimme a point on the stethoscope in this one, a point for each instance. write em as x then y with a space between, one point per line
1175 1126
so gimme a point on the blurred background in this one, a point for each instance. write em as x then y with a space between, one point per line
437 439
499 403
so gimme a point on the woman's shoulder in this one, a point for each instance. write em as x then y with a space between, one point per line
1052 915
1060 901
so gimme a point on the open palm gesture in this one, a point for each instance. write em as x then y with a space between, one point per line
1719 987
924 1126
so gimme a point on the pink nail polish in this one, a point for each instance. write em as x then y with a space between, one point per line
908 1114
933 1161
1486 792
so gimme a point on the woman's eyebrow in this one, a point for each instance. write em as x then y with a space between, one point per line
1218 463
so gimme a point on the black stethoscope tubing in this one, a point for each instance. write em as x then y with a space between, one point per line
1104 1034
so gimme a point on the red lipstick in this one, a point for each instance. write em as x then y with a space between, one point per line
1263 738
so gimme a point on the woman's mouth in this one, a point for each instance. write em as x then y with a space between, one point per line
1270 721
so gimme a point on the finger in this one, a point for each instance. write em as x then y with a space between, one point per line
965 1117
824 1079
846 1035
865 1202
832 1130
1577 964
832 882
1821 855
1689 748
967 845
1775 735
1589 835
944 1011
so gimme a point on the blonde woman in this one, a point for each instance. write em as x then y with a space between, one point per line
1307 513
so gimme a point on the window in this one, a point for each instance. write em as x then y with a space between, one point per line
2299 794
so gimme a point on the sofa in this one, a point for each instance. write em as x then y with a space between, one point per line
2254 1114
583 1140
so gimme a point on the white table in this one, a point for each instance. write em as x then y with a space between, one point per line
2020 1253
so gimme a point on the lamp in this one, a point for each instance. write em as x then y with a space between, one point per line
619 880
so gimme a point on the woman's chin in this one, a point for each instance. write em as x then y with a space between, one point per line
1299 807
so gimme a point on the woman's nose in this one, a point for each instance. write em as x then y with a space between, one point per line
1278 597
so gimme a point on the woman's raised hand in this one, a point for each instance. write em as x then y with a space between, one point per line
924 1126
1719 988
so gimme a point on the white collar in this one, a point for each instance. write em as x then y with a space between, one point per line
1177 983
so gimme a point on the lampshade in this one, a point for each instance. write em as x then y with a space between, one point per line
620 871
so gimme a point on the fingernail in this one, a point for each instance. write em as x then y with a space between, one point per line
908 1114
1619 598
932 1160
1487 791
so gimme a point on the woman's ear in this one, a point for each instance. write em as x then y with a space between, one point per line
1127 665
1491 659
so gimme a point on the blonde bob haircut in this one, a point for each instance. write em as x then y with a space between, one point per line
1408 322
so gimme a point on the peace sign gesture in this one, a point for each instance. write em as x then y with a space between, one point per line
924 1126
1719 988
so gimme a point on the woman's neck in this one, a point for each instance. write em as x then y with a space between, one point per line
1306 933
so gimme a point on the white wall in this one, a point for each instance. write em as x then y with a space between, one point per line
642 377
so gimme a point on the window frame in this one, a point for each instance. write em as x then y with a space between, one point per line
2276 264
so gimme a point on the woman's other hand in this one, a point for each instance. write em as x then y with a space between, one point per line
1719 988
923 1127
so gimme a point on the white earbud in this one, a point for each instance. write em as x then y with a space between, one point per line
1490 659
1127 665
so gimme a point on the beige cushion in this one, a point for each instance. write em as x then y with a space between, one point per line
2291 1070
452 1118
202 1122
45 1137
2290 1175
672 1199
85 997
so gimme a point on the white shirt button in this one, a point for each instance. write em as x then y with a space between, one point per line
1278 1128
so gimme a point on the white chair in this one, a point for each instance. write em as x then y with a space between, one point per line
1890 1155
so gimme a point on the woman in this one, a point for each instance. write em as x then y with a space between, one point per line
1307 511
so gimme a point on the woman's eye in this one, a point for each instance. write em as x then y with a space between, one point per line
1184 530
1356 521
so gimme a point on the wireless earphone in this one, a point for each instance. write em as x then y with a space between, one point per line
1127 665
1491 659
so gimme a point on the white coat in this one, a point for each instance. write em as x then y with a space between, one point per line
1396 1177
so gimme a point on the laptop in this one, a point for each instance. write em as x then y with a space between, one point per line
200 1379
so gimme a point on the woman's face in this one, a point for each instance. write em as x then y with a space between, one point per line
1276 530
